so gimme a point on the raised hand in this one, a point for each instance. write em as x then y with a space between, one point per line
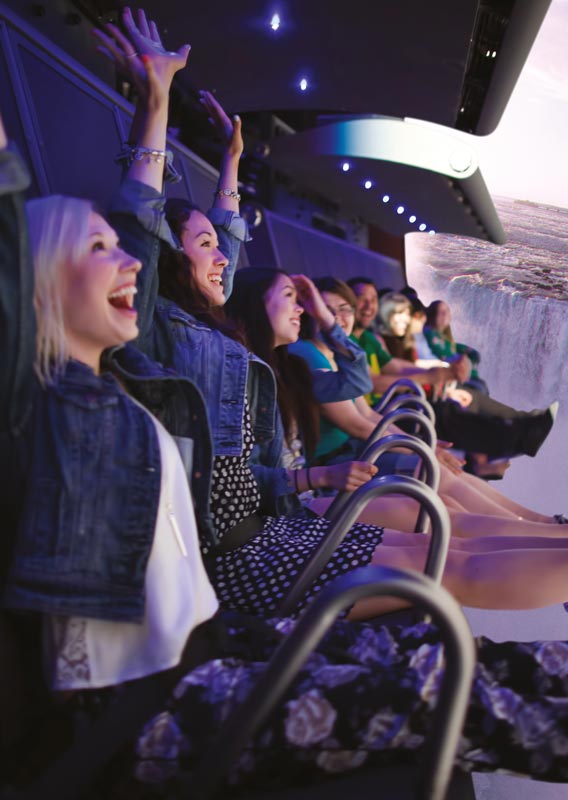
228 130
141 56
312 301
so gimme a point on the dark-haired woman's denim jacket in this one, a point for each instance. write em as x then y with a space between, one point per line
79 462
225 371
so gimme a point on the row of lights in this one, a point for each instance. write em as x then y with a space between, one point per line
303 85
368 184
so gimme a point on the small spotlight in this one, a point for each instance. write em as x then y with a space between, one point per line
346 166
412 218
488 54
494 54
275 22
386 198
303 84
431 232
422 226
400 210
368 184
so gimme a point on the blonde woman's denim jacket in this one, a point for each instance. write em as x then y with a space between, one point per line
80 470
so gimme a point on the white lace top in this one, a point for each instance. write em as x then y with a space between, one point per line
83 653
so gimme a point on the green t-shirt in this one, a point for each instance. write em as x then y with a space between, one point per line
377 357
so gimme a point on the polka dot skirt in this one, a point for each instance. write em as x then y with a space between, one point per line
256 576
253 578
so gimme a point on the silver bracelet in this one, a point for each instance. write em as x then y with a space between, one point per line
130 153
227 193
140 153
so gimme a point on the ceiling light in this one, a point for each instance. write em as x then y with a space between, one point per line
303 84
346 166
412 218
431 232
368 184
275 22
422 226
386 198
400 210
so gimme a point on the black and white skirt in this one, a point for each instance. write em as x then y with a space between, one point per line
254 578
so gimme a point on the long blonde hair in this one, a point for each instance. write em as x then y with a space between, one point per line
58 228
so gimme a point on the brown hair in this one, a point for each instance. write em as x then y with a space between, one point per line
296 399
176 276
431 314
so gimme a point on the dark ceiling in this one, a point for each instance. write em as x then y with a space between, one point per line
451 62
403 58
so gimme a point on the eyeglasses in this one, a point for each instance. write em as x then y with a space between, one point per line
342 311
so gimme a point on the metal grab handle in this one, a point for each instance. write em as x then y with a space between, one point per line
415 388
402 415
430 474
292 653
439 539
410 401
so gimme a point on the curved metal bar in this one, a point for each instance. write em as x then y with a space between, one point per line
439 539
410 401
430 474
374 450
403 415
393 390
290 656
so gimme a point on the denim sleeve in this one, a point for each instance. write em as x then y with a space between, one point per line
276 495
231 230
17 318
352 378
137 213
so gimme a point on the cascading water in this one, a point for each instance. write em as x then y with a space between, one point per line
511 304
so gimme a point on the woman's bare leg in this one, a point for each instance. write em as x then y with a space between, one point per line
474 526
482 544
500 579
400 513
479 497
396 512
